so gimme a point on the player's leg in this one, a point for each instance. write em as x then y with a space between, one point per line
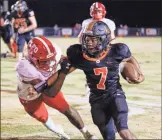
29 36
20 42
120 115
13 46
58 102
7 37
110 128
37 109
12 43
101 120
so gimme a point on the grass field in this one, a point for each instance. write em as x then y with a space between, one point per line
144 100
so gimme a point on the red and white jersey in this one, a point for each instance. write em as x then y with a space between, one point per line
26 71
109 22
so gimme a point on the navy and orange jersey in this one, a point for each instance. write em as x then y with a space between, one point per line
102 74
22 20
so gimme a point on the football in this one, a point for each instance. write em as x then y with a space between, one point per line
128 71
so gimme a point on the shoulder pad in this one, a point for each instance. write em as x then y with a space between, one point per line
122 50
31 13
26 70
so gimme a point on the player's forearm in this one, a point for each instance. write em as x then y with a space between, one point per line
56 86
135 63
30 28
52 79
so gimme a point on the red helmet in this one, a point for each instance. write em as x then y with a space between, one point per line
97 6
42 53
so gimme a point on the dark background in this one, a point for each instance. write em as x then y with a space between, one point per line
134 13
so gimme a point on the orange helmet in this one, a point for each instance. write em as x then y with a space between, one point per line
97 6
42 54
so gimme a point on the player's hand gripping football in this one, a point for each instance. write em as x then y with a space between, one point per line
137 81
65 65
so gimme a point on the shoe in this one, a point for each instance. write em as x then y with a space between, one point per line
89 136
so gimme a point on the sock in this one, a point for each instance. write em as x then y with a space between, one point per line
50 124
84 130
56 129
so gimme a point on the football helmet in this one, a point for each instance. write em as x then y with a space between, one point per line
20 6
42 54
96 37
97 11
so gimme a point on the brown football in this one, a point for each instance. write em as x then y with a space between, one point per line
128 71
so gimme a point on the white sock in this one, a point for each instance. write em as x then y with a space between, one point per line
50 124
58 130
84 130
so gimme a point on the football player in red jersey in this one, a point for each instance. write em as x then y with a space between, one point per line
39 67
100 62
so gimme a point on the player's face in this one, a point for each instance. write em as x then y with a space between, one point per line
91 44
98 14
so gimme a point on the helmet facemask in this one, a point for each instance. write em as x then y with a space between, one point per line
46 65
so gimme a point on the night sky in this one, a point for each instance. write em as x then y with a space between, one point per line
139 13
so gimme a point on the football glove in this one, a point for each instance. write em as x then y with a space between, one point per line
65 66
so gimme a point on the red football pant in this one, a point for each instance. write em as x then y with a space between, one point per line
36 108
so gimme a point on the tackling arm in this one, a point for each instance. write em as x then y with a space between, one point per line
51 86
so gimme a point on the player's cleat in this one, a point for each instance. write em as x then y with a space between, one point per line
89 136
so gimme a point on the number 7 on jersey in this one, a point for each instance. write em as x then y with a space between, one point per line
103 72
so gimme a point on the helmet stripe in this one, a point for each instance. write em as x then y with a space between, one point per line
97 5
44 43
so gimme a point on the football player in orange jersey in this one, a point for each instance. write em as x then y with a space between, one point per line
24 23
99 60
98 13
